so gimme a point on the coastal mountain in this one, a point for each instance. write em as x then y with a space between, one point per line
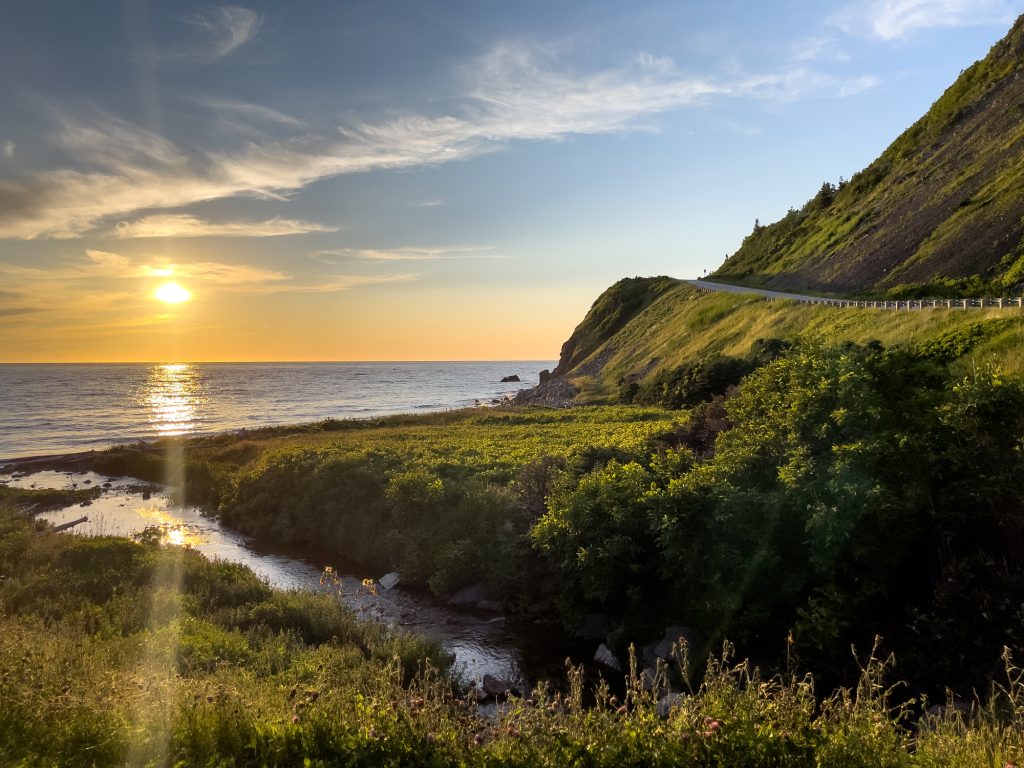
658 340
939 213
941 210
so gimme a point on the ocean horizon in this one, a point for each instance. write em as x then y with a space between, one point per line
50 408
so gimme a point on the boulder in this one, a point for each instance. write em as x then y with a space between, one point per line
507 379
667 703
662 649
497 688
545 375
489 605
388 580
606 657
649 679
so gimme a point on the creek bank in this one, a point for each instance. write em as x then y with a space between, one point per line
477 643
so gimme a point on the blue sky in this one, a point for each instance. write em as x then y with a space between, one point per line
420 180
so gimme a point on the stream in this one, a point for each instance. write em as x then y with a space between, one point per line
480 642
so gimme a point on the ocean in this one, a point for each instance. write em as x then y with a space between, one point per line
59 408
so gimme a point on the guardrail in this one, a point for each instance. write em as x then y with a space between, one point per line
906 305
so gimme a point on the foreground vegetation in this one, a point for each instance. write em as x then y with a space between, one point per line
446 499
120 652
831 492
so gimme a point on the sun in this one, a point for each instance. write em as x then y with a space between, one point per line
171 293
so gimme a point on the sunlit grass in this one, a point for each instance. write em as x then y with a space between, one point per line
682 326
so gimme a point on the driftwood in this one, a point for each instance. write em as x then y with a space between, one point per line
71 524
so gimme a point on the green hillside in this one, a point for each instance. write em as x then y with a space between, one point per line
939 211
641 329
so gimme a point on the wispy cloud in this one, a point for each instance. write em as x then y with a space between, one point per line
18 311
104 286
340 283
825 48
515 93
897 19
7 148
742 129
336 255
184 225
225 29
433 203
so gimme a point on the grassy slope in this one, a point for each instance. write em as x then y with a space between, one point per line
943 200
680 325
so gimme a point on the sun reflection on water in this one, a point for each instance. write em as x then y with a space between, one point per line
173 394
173 530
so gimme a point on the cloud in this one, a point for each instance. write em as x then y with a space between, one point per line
226 28
340 283
404 254
434 203
857 85
18 311
742 129
240 278
818 49
102 286
897 19
515 93
7 148
184 225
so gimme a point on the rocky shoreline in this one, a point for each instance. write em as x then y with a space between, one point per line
552 392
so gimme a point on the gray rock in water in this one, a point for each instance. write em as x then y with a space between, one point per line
667 703
507 379
606 657
388 580
496 687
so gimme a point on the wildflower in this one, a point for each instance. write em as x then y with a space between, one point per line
478 739
295 719
622 710
430 737
372 733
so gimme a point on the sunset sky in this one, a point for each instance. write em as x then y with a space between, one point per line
419 180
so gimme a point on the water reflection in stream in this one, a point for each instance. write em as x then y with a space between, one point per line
481 644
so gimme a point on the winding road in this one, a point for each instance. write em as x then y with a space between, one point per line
707 286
